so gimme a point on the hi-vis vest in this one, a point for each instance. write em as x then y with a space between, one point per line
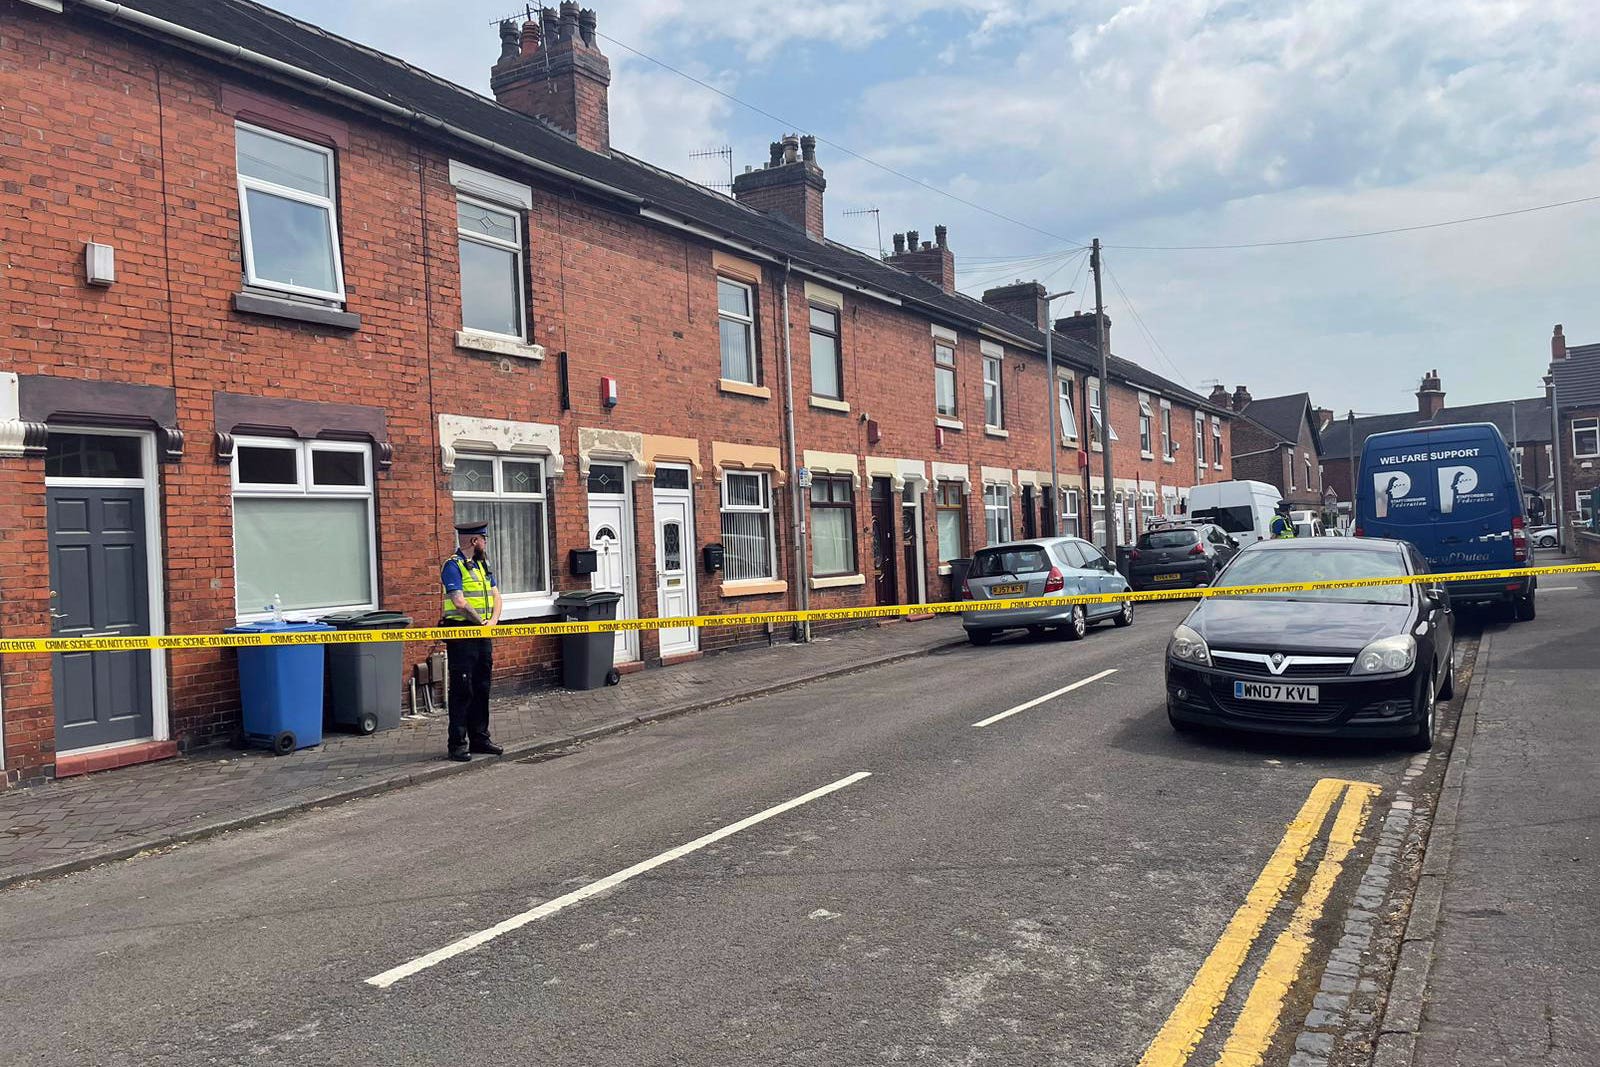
474 586
1282 527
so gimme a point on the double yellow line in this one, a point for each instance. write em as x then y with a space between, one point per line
1258 1020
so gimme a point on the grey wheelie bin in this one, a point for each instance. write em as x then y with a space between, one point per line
363 687
586 658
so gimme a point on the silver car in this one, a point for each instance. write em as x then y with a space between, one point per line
1042 567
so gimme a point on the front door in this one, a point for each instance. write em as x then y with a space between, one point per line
611 537
911 544
884 585
675 576
100 587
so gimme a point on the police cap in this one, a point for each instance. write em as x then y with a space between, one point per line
472 529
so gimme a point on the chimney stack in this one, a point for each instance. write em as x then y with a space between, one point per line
1558 344
1219 395
1025 300
1324 418
1430 395
932 260
553 70
789 186
1081 327
1241 398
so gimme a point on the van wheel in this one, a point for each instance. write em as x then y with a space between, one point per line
1523 608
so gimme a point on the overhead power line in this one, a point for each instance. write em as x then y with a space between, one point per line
836 145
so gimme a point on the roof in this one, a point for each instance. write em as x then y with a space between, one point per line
283 39
1521 422
1281 416
1577 377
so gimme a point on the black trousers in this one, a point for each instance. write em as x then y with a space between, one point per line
471 661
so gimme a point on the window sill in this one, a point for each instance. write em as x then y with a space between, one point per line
1216 466
996 431
728 385
538 606
1147 455
500 346
838 581
1069 445
829 404
949 424
753 587
281 308
1168 459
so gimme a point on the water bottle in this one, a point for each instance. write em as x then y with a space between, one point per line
276 607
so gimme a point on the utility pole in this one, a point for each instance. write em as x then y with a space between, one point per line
1105 402
1350 423
1051 410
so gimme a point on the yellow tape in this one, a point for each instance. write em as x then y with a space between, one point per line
16 645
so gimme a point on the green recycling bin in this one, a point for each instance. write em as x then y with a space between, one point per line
586 658
363 680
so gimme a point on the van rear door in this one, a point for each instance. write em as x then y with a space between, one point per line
1450 492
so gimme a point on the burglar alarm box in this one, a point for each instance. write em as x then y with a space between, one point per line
713 557
583 561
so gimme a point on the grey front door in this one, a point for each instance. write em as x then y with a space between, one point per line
101 588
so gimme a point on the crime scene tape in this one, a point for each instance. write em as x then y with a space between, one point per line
16 645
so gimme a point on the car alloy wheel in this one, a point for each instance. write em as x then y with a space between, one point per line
1077 625
1124 617
1428 697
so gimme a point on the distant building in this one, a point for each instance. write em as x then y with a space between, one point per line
1574 384
1277 440
1525 424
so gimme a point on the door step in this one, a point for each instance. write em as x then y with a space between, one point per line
109 759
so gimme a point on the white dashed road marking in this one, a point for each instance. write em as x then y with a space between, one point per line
1036 701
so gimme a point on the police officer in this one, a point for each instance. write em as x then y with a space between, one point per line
471 598
1281 526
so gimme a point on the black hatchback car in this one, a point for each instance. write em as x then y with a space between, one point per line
1361 662
1179 555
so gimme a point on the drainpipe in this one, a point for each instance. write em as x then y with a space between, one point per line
796 492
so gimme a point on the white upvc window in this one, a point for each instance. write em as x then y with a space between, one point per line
288 214
747 540
736 326
1199 446
1169 446
1066 410
302 526
1069 513
994 407
1216 442
1516 459
1310 485
944 380
508 493
489 240
1585 437
1146 417
997 513
1095 418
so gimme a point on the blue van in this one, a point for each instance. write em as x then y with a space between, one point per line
1451 491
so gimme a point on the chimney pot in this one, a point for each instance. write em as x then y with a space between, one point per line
791 148
808 148
775 150
556 76
530 42
899 244
939 235
588 23
569 19
912 239
510 40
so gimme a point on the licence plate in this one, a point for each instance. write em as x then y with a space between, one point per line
1010 589
1276 692
1168 577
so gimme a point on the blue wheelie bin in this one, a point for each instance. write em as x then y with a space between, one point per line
280 688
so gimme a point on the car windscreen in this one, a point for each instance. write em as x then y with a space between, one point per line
1169 539
1024 559
1282 566
1234 520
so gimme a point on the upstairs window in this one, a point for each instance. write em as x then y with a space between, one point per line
1095 419
1145 418
490 244
1216 442
1586 437
1169 447
1065 410
994 407
827 372
287 214
944 380
737 325
1199 446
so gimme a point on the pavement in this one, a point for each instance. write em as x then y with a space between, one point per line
1000 855
77 822
1501 964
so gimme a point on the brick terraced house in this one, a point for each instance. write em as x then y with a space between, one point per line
279 309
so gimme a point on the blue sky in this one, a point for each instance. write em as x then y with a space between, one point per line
1158 123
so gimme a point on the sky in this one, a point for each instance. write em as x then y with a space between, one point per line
1180 122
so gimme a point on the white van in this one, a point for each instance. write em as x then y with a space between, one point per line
1307 523
1244 509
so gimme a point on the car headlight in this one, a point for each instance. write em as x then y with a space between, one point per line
1388 655
1187 646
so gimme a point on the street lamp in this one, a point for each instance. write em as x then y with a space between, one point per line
1050 413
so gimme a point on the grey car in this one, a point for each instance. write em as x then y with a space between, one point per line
1043 567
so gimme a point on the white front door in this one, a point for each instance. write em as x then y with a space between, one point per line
675 574
611 537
